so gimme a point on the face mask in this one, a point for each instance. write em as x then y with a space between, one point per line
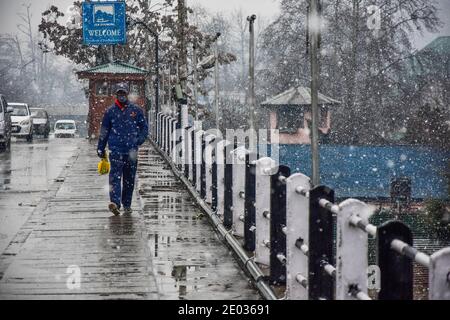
122 99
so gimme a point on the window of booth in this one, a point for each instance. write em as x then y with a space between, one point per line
290 119
102 88
106 88
136 88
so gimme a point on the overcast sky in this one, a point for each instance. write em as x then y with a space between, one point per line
268 8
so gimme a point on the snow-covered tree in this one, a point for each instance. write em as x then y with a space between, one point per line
29 72
361 57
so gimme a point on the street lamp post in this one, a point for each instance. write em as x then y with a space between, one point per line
195 81
169 88
251 21
314 28
216 79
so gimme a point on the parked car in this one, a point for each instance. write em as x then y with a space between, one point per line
41 121
5 124
22 122
65 129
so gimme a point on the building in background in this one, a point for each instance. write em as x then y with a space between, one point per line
290 113
102 81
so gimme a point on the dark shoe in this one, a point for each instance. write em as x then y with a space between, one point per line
114 209
127 211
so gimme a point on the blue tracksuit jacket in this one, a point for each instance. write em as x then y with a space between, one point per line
123 131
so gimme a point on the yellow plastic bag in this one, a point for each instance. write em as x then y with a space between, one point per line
104 166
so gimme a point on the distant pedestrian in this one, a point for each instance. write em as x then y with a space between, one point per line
124 129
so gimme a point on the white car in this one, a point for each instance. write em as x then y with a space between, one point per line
22 122
41 121
65 128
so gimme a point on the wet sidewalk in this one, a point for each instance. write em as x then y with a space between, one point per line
190 260
164 250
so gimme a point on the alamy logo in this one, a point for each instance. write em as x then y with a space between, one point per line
374 19
73 282
374 278
214 140
104 14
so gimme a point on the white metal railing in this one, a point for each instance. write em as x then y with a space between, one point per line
292 231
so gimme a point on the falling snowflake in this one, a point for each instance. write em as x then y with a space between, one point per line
390 164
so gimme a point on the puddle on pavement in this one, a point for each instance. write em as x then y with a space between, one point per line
189 259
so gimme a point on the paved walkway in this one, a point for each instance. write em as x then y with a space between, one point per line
165 250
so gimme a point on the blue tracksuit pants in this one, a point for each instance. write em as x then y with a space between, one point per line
122 177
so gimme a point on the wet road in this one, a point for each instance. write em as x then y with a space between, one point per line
164 250
26 174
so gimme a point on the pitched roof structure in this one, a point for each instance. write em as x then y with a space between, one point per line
438 49
440 45
297 96
115 68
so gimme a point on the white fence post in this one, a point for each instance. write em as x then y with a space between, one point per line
169 134
439 275
238 190
163 132
297 236
172 139
351 250
221 148
265 167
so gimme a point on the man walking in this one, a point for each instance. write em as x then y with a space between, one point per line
124 129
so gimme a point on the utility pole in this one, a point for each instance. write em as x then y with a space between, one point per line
251 21
169 104
194 51
175 106
314 28
157 106
216 79
182 47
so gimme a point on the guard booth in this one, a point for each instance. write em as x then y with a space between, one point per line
290 113
102 81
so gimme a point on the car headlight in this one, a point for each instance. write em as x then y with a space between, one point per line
25 123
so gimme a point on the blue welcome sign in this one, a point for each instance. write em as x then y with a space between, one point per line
104 22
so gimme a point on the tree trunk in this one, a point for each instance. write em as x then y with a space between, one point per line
182 46
352 84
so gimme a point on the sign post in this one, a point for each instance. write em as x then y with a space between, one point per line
104 23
